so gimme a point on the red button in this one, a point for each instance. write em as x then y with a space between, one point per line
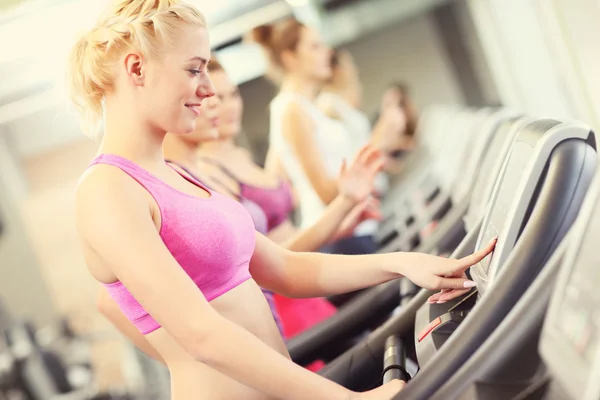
435 323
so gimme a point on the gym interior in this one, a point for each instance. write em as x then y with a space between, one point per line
490 135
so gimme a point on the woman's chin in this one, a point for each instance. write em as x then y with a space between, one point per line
186 129
229 132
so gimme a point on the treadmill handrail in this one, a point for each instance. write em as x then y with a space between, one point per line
401 324
352 316
507 338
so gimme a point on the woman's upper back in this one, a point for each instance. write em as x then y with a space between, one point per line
211 238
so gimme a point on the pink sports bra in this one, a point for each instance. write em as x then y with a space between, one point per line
211 238
277 203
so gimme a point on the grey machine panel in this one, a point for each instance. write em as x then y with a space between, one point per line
509 206
492 166
508 364
512 196
489 149
571 333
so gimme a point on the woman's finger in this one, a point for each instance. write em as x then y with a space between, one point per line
377 166
434 298
343 167
372 156
468 261
453 283
453 294
360 156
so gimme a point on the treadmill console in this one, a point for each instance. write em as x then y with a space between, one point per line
569 343
498 222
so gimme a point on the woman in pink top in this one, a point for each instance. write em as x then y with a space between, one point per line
296 315
182 261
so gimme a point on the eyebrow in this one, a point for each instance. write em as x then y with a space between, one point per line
201 59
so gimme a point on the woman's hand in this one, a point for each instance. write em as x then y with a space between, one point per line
394 118
447 294
356 181
366 209
435 273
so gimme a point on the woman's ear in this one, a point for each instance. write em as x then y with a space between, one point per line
135 68
288 59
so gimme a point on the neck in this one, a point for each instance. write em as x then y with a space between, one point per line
347 92
180 151
218 147
129 138
306 87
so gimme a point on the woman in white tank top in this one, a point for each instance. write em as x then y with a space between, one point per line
306 145
341 99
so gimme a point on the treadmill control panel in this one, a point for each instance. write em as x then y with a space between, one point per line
498 222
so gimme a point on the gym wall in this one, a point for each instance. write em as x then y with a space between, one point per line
22 285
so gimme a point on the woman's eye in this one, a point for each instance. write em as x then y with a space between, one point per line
195 71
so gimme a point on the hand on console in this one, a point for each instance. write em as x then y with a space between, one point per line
447 294
434 273
356 180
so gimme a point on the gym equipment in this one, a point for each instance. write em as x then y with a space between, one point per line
546 348
536 200
31 370
570 335
372 307
546 174
452 202
425 183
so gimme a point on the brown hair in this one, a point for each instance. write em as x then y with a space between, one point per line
335 58
278 38
407 107
214 65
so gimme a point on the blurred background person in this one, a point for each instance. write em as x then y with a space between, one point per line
306 145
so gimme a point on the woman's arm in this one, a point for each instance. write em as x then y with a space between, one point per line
298 130
387 133
317 275
110 309
351 205
115 223
322 231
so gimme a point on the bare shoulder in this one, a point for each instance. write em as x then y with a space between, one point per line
106 184
103 195
293 109
296 120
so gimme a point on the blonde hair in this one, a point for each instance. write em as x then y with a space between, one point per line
140 25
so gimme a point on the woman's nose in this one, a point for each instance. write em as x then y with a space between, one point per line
206 89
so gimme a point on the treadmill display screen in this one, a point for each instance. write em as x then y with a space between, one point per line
504 200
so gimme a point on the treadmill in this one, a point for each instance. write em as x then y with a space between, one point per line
545 175
453 227
451 205
571 334
554 163
429 181
536 354
373 306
